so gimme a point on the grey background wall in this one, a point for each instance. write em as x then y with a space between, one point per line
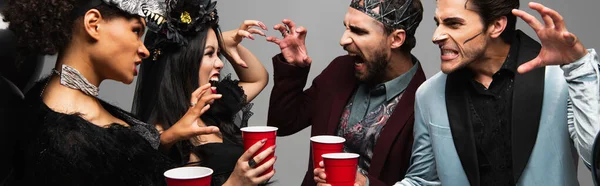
323 19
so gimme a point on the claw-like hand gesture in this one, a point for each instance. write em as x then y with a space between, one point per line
559 46
292 45
190 124
232 38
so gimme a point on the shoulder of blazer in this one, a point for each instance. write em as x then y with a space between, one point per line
339 70
433 86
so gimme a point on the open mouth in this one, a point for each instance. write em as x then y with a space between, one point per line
357 59
135 69
359 63
214 80
448 54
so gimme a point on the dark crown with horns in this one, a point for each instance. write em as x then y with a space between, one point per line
183 20
391 16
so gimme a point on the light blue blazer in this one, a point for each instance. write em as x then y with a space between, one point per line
549 131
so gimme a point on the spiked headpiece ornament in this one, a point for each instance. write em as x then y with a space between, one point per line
148 9
183 19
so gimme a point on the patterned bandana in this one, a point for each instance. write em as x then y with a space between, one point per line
384 11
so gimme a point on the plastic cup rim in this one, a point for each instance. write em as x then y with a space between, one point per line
172 173
341 155
259 129
328 139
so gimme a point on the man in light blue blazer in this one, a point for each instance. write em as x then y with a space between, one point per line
502 112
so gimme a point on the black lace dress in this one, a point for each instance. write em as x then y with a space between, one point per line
221 157
65 149
230 113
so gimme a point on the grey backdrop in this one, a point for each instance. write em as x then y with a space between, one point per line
323 19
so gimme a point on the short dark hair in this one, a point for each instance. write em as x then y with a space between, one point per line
45 27
491 10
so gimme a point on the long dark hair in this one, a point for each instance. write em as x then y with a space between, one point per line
165 85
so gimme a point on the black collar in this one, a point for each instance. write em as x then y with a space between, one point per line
526 111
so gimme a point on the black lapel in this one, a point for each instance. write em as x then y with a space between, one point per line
460 125
340 95
338 104
528 94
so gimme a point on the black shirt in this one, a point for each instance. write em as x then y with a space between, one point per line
65 149
490 110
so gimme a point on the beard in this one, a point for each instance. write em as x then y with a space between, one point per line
375 67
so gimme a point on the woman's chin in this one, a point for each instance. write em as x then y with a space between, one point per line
127 80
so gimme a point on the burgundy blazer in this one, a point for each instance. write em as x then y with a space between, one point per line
291 109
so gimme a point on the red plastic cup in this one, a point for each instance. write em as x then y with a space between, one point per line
189 176
325 144
340 168
254 134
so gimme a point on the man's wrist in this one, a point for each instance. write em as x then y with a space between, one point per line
581 53
365 174
576 64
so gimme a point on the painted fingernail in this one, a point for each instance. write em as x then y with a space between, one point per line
263 140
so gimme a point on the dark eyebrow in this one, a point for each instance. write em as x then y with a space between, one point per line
143 23
140 22
209 47
454 20
358 29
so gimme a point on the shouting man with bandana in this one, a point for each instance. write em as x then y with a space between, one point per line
499 113
367 96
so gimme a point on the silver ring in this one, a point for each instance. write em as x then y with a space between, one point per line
193 105
252 163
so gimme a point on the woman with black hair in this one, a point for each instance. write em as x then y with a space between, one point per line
76 138
187 53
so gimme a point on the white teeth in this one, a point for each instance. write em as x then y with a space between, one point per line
160 19
448 52
214 79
